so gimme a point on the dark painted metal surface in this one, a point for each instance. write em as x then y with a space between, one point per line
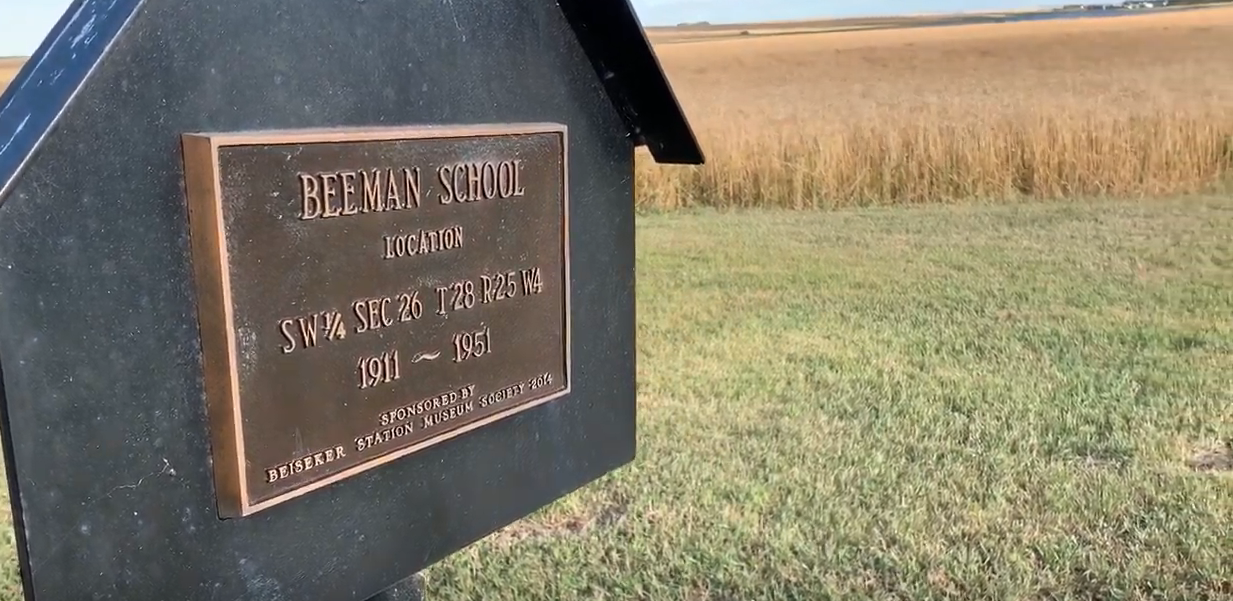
411 589
110 458
32 101
622 55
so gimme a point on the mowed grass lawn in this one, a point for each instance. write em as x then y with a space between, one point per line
1025 402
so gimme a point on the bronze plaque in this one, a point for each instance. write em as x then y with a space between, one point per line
366 293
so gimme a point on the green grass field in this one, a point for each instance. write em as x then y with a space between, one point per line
1017 402
977 403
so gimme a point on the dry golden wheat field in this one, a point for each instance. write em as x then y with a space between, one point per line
1130 106
8 70
1134 106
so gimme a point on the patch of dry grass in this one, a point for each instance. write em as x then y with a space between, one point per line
8 70
1127 107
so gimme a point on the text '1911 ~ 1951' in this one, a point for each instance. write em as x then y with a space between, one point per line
365 294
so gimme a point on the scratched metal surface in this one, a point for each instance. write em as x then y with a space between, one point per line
104 406
31 103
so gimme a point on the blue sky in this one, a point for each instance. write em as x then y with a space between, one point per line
24 23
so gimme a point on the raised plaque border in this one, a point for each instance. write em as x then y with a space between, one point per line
203 192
